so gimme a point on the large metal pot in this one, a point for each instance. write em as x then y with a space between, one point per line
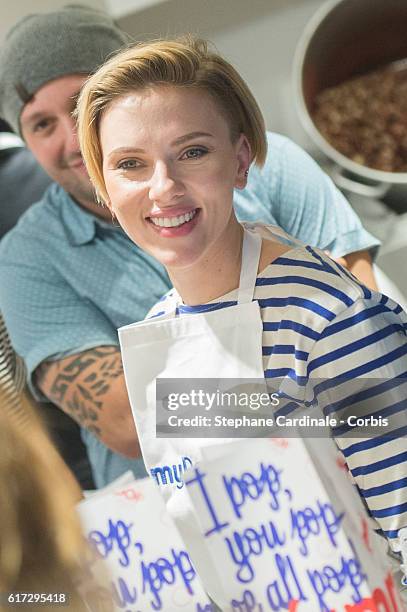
344 39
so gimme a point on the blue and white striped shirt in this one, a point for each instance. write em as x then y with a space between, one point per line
343 345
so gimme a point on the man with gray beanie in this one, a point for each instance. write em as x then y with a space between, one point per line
69 277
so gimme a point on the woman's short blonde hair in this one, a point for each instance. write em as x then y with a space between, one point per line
184 62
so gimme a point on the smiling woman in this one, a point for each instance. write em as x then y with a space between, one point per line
170 183
172 192
168 130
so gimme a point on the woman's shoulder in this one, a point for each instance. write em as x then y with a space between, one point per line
315 313
304 284
305 277
304 265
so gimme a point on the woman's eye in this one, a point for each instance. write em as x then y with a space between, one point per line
194 153
128 164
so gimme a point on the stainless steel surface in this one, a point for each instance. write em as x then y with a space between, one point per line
344 39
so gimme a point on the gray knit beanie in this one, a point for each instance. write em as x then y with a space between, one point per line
73 40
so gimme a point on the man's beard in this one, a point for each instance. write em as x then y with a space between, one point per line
81 191
77 184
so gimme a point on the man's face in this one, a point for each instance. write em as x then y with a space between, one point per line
49 131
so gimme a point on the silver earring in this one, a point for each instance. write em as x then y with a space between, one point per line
246 173
115 222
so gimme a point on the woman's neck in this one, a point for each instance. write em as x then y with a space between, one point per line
216 273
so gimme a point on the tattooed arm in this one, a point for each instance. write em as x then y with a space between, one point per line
90 388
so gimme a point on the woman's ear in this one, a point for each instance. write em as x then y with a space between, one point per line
244 159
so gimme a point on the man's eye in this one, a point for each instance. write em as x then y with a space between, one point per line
128 164
194 153
42 125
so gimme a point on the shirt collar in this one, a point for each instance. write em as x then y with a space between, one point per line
80 225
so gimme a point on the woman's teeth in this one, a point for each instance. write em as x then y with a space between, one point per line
173 221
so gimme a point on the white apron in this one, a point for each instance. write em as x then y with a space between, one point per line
225 343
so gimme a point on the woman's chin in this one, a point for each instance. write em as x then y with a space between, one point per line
178 260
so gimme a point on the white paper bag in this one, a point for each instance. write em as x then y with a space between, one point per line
144 555
284 529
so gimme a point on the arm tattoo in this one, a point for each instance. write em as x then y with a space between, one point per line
81 382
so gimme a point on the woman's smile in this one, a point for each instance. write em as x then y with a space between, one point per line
170 167
175 224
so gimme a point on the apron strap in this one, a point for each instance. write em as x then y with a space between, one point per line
248 274
250 263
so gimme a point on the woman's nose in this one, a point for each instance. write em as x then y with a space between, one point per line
164 185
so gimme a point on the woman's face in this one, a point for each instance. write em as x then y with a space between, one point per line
170 168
